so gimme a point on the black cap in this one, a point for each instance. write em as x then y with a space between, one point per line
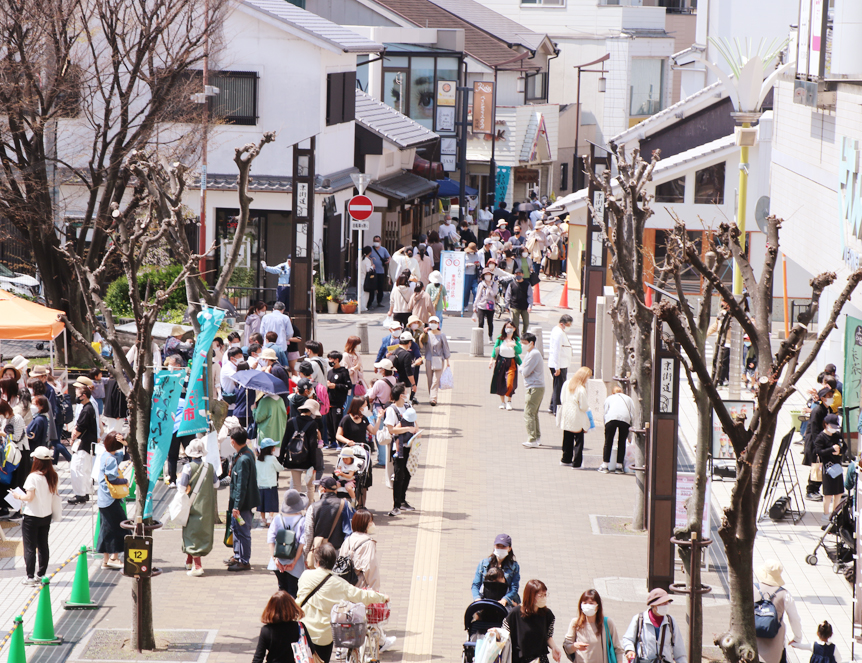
329 483
823 393
303 384
832 420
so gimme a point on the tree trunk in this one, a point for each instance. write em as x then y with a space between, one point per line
142 613
642 376
739 643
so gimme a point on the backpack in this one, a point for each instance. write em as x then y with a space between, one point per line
766 621
322 396
296 452
344 568
10 458
286 543
65 411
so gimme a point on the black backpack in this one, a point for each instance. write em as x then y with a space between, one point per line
297 453
65 411
286 543
766 621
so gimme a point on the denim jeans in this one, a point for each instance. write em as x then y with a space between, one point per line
60 449
471 282
242 536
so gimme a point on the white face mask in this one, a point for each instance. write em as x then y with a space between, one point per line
542 602
371 528
661 610
365 412
828 401
500 553
34 410
509 331
434 325
589 609
488 279
376 245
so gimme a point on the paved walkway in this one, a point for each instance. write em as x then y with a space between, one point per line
475 481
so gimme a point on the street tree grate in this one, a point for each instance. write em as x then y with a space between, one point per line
613 526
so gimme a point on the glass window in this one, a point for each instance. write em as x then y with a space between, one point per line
394 89
646 90
709 185
536 86
671 192
421 107
236 102
362 72
447 69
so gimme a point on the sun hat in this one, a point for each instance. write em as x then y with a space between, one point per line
385 364
10 367
769 573
20 362
293 502
405 336
347 452
39 369
409 415
658 597
412 319
196 449
487 272
312 406
43 453
502 222
268 442
436 277
433 318
471 248
503 540
268 353
83 381
176 330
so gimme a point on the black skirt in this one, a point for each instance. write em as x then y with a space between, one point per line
111 535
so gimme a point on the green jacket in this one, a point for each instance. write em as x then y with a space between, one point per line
271 417
243 482
517 349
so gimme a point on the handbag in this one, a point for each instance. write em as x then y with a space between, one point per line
252 431
56 508
178 509
816 473
118 490
436 363
370 282
612 654
301 649
344 567
359 389
228 532
834 470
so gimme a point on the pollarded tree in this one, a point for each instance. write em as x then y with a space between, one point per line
779 373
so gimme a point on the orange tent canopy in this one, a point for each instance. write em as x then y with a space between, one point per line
23 320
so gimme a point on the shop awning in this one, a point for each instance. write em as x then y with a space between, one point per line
23 320
448 188
404 187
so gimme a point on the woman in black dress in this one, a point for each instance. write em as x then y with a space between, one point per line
531 626
281 629
829 446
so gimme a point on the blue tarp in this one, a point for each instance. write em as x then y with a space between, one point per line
448 188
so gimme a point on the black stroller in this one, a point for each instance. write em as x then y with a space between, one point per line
842 526
481 616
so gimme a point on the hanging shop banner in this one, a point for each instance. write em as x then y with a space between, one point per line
194 418
452 265
502 188
852 361
483 107
166 395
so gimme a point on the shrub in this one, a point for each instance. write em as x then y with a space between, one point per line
117 294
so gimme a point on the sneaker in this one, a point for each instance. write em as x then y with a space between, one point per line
604 469
814 497
407 507
237 566
502 407
196 572
172 484
531 445
29 581
508 405
189 567
387 642
394 512
78 499
565 464
619 470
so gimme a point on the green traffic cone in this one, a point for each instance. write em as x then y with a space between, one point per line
16 646
96 532
43 632
80 598
131 478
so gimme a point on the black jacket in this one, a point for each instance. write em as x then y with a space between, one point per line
815 427
274 642
116 406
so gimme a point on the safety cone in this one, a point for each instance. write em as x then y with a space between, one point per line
564 298
537 296
80 598
131 496
43 631
16 645
96 528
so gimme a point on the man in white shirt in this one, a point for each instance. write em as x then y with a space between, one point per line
228 368
278 322
448 234
559 358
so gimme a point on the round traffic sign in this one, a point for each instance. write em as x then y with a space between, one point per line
360 207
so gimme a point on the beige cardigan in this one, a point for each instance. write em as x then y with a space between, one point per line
594 654
364 557
572 413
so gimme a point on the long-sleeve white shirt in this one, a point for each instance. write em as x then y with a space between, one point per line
560 353
280 324
619 407
228 386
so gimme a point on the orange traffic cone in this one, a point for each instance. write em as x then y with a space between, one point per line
564 298
537 296
648 297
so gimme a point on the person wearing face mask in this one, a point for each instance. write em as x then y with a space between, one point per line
483 302
654 636
472 267
533 372
505 359
591 634
448 233
399 299
406 262
355 426
517 239
559 358
467 236
438 294
85 434
228 369
519 300
420 304
829 446
436 356
502 558
531 627
816 419
339 384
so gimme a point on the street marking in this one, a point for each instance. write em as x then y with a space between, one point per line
423 589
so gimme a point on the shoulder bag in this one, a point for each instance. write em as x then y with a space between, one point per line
178 509
612 654
344 567
320 540
314 591
117 490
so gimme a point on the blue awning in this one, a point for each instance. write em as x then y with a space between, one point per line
449 188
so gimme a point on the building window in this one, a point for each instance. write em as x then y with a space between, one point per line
564 176
236 102
543 3
537 86
410 84
671 192
340 97
646 90
709 185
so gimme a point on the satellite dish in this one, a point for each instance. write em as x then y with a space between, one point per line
761 211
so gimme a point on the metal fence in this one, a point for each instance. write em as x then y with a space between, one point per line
15 249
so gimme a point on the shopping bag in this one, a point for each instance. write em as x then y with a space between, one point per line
488 648
590 417
629 461
387 322
447 379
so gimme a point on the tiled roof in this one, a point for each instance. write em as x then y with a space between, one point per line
316 26
489 21
478 44
405 186
388 123
276 183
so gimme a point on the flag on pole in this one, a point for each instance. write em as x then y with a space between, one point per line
194 417
166 395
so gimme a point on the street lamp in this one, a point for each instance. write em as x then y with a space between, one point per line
747 88
602 86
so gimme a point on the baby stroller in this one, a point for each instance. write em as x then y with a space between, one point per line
362 471
842 526
480 616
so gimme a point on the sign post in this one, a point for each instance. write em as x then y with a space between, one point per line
360 208
452 267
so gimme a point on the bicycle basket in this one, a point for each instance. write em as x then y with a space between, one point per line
348 624
377 613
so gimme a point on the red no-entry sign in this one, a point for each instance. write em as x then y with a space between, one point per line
360 207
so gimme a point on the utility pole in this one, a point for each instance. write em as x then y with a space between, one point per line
462 150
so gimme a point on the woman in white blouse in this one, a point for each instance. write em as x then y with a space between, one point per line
39 490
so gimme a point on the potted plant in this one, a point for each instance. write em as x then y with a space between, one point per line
332 304
349 306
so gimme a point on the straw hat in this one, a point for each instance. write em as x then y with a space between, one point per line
83 381
176 330
769 573
39 369
312 406
10 367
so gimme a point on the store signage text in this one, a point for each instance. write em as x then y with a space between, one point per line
850 200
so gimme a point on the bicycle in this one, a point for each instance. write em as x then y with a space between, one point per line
376 615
